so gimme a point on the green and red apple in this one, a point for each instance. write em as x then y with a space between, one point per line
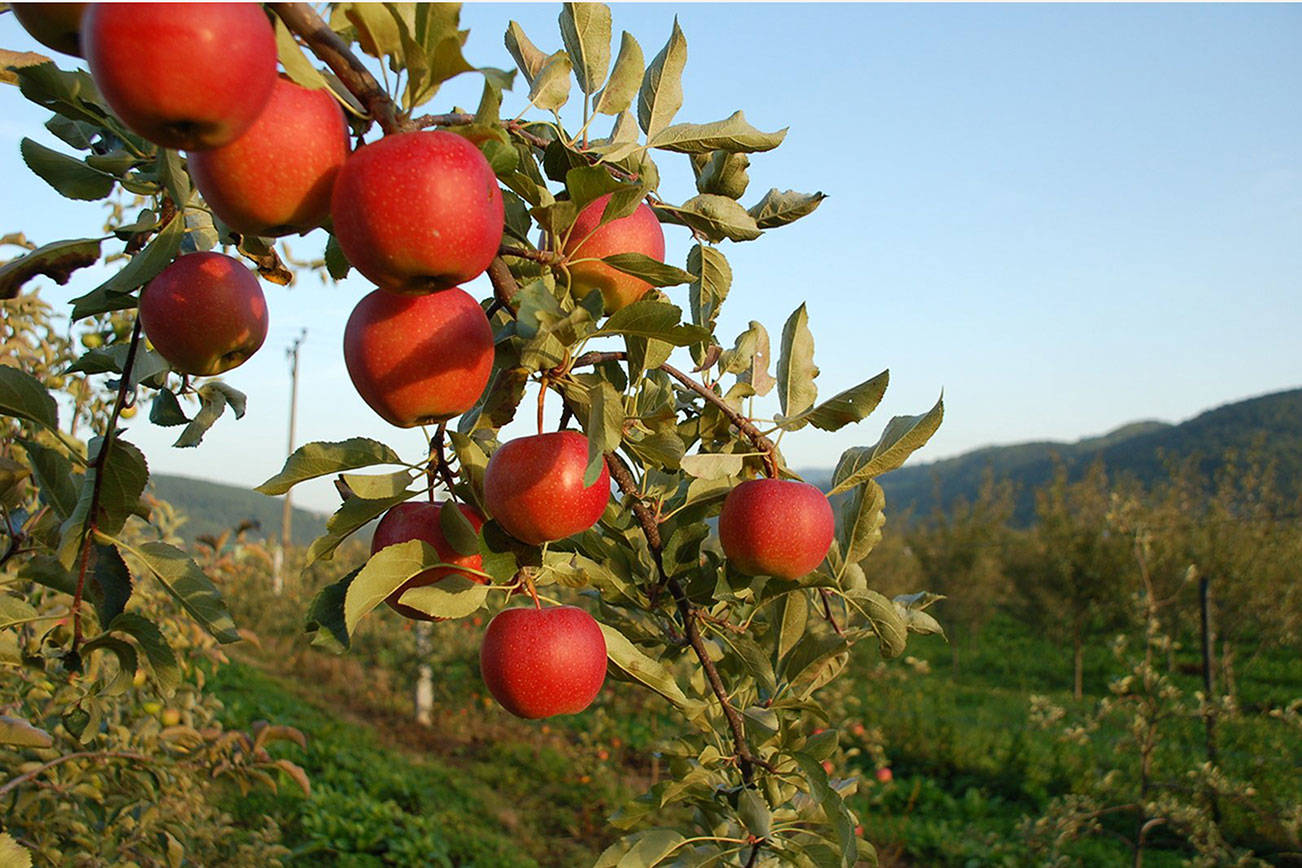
420 520
589 240
533 487
540 662
776 527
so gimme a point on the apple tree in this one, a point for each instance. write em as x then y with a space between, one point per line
593 544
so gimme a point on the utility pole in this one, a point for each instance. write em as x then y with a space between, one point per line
287 515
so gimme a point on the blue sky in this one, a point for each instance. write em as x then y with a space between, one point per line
1068 217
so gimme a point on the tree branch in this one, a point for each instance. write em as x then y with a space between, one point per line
746 761
88 754
101 459
504 286
744 425
302 19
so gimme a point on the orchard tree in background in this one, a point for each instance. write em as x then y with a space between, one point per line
591 543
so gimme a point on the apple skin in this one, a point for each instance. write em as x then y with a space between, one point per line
277 177
543 662
204 313
533 487
183 75
420 520
420 211
639 232
54 25
776 527
419 359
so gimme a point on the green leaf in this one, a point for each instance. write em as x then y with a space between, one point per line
712 466
336 262
109 586
70 93
585 31
717 217
780 208
551 87
20 733
833 806
452 597
643 849
122 480
378 487
15 611
113 294
188 585
172 175
12 853
733 134
860 519
54 477
911 606
661 94
885 619
624 78
843 408
652 319
711 280
353 513
754 813
23 397
159 653
69 176
903 436
327 611
653 271
527 56
457 529
322 459
629 659
127 659
378 32
587 183
296 65
388 569
214 397
604 429
56 261
796 368
792 621
723 173
166 410
749 359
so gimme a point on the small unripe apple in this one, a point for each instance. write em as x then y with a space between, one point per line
56 25
639 232
420 520
183 75
204 313
543 662
418 359
533 487
170 717
276 178
419 211
776 527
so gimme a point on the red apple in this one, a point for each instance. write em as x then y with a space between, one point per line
543 662
57 25
420 520
419 211
183 75
776 527
885 776
419 359
534 487
204 313
277 177
639 232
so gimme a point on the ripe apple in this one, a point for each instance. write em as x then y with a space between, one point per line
204 313
639 232
183 75
419 520
276 178
884 775
418 211
419 359
534 487
56 25
543 662
776 527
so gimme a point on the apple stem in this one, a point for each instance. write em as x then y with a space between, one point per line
542 400
438 466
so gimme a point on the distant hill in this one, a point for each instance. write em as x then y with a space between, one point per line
212 508
1139 448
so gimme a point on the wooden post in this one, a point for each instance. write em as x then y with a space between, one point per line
287 513
1209 682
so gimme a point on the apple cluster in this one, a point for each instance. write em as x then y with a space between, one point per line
418 213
